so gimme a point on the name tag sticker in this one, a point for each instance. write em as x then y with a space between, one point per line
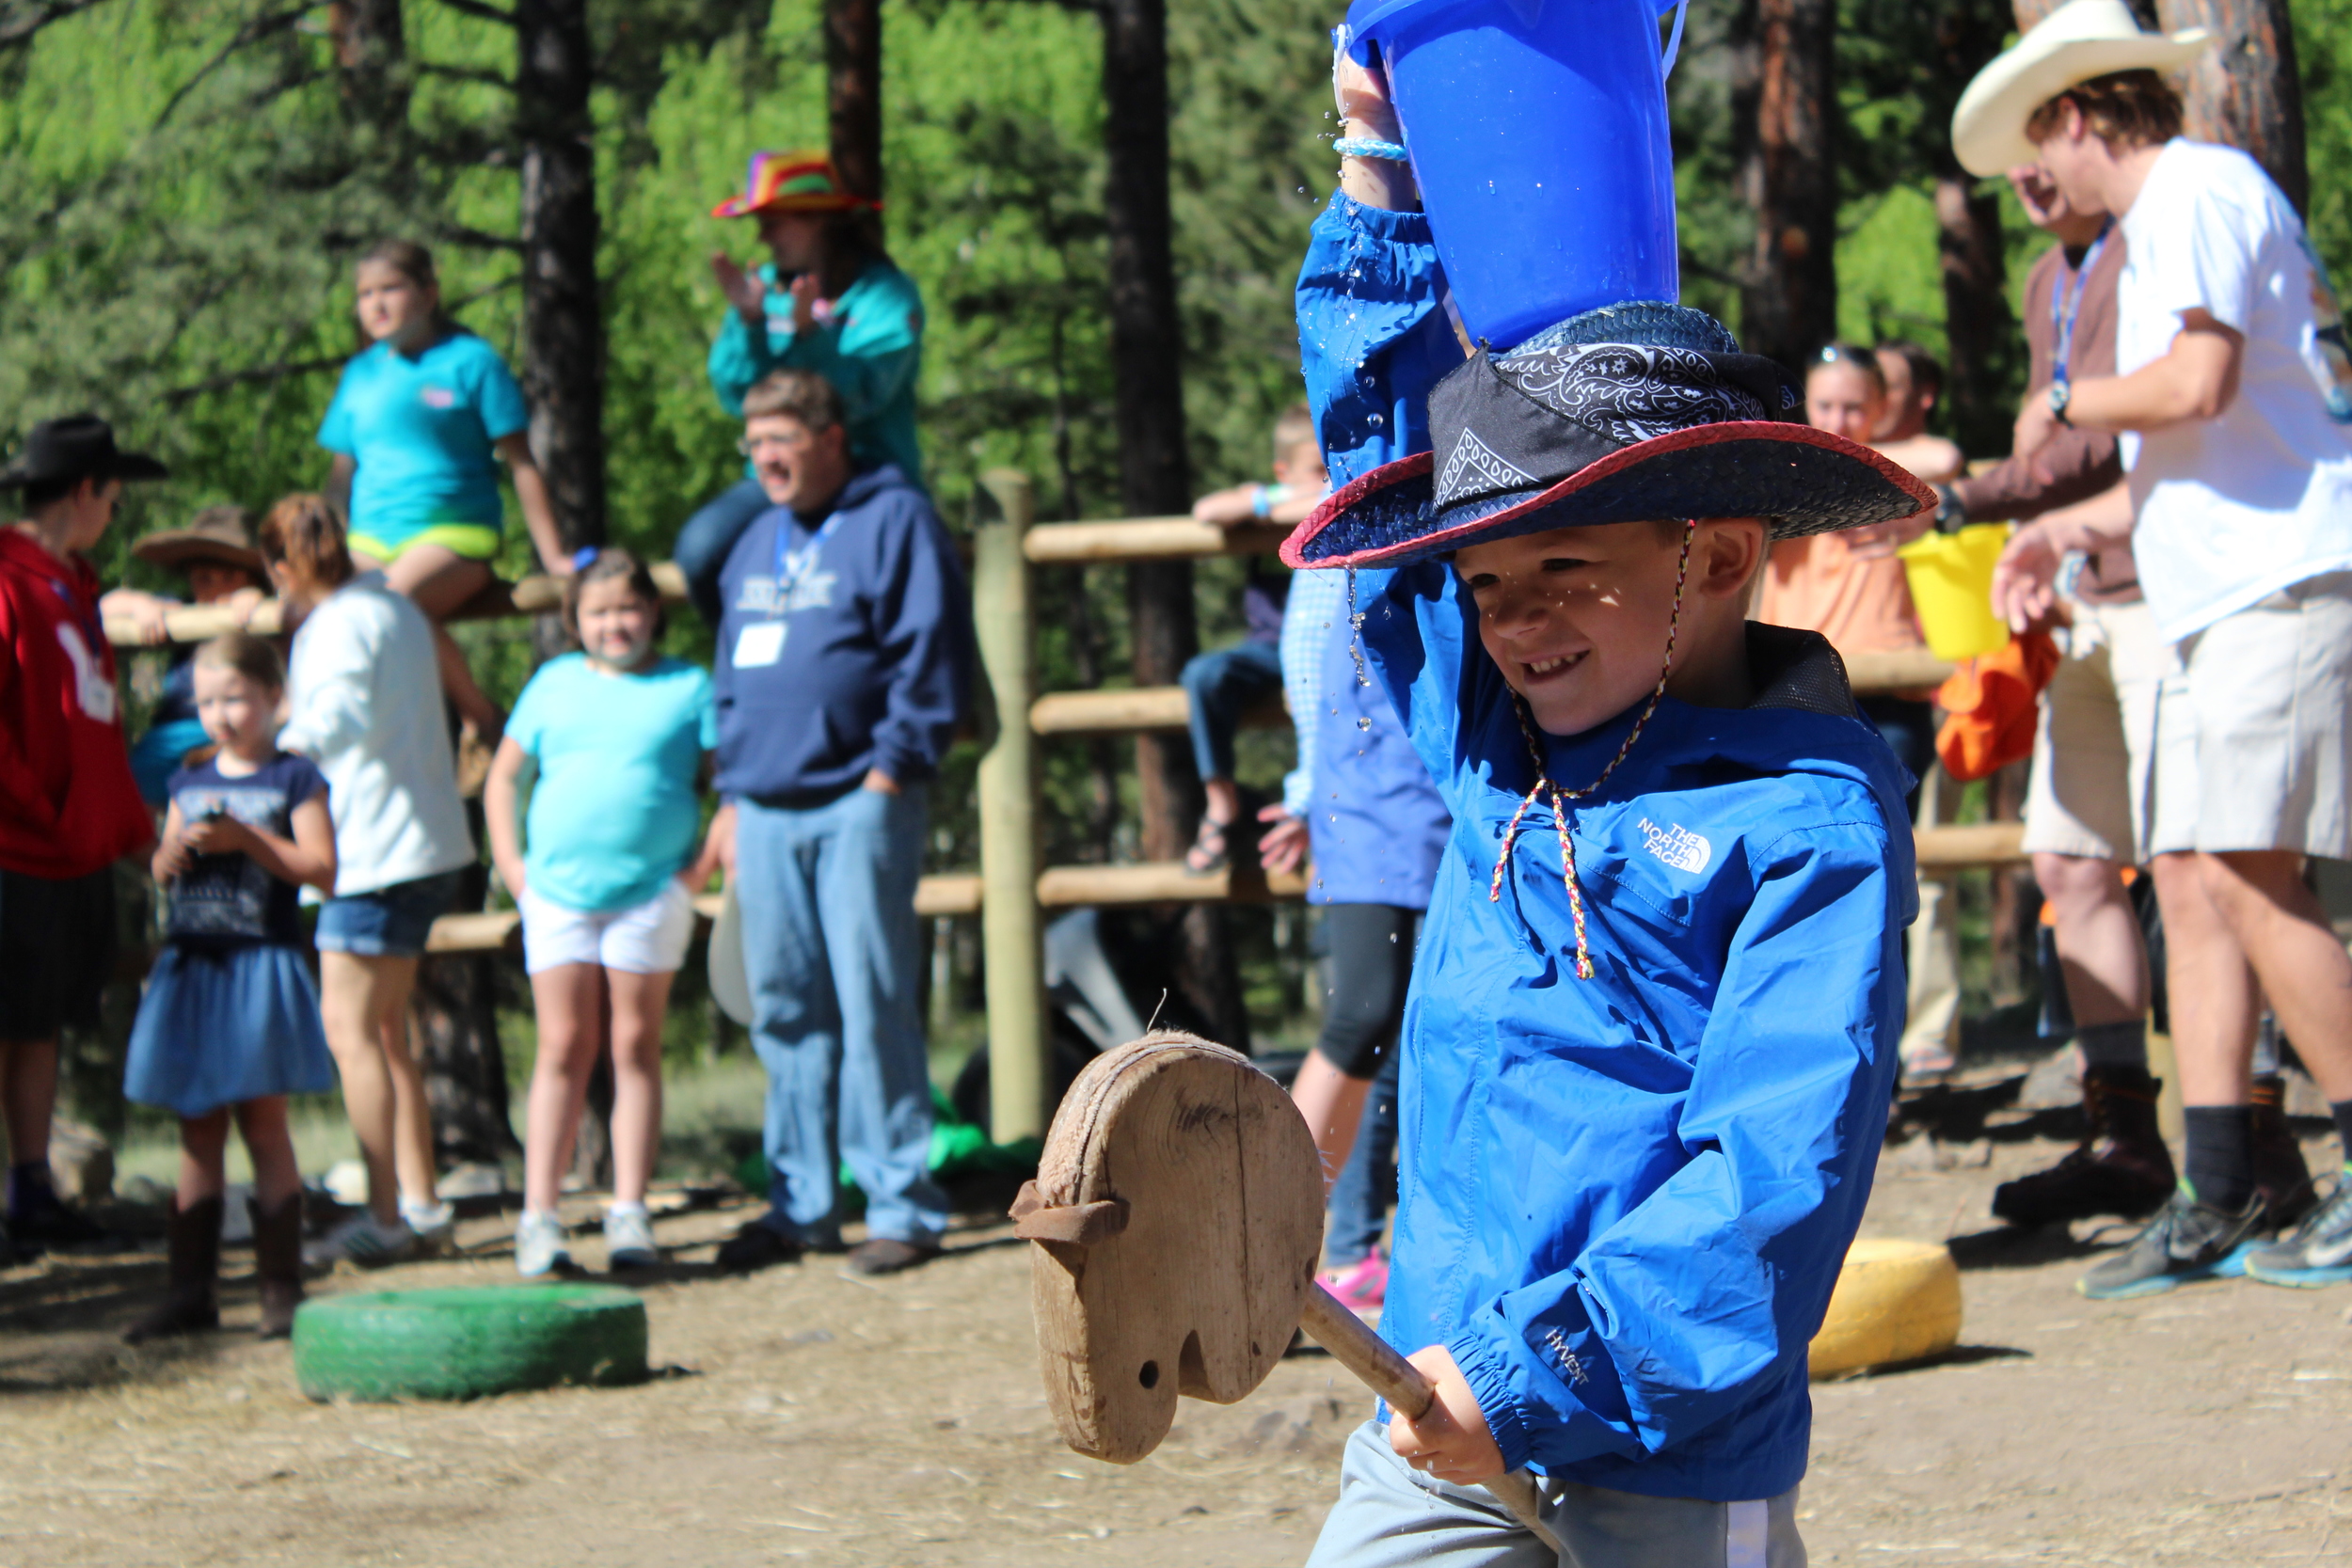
760 642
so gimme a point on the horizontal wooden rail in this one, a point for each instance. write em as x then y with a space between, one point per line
1127 710
1979 846
1912 670
533 595
1145 539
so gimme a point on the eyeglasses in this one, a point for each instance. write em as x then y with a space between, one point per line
750 446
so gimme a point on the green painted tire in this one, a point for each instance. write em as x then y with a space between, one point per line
461 1344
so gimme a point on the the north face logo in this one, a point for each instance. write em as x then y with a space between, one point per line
1678 846
1472 469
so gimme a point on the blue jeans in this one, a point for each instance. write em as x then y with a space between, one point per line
709 538
1221 684
833 952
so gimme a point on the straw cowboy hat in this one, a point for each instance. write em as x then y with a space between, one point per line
2081 39
1632 412
217 533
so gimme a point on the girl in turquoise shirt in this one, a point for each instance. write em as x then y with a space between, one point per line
416 426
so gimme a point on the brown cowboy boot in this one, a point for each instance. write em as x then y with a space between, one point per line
2121 1167
2279 1172
278 1264
191 1300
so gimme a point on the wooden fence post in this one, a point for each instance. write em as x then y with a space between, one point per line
1013 953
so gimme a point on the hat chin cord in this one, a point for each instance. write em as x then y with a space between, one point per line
1560 798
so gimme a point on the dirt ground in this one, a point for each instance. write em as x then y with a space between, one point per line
805 1414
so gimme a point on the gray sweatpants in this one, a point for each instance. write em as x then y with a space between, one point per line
1389 1514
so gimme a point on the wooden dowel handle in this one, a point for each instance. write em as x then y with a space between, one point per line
1355 1346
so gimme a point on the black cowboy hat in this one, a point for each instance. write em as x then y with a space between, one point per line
78 446
1630 413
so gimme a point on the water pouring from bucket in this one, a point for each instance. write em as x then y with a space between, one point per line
1538 135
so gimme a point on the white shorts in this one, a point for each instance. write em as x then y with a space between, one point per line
2094 744
2254 746
646 939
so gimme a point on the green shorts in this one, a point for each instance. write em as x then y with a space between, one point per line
468 541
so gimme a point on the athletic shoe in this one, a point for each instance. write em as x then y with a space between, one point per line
361 1240
1361 1286
629 1240
2320 1250
2186 1242
757 1245
2121 1167
435 1225
46 1222
539 1246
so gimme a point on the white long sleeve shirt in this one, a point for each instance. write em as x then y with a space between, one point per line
365 694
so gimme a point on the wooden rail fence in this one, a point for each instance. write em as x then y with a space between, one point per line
1012 888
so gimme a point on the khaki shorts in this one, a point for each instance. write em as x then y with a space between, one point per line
2254 750
2095 746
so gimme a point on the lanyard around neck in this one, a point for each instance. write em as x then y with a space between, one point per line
2066 302
793 567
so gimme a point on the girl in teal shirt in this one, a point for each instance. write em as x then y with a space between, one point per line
417 427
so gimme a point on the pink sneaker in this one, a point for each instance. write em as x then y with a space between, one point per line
1361 1286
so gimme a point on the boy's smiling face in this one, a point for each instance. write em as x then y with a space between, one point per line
1576 618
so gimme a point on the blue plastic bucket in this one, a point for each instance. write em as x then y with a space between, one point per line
1538 134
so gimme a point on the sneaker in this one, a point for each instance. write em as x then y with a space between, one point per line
1361 1286
889 1254
2187 1241
539 1246
2121 1167
629 1240
434 1225
757 1245
46 1222
2320 1250
361 1240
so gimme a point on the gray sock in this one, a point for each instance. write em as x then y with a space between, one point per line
2115 1044
2266 1046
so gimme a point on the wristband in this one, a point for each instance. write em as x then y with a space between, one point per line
584 557
1369 147
2062 393
1950 514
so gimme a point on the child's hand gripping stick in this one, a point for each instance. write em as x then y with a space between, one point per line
1178 1217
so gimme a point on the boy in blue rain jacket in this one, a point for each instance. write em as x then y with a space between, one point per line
1650 1046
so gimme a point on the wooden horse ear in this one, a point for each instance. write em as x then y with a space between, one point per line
1178 1212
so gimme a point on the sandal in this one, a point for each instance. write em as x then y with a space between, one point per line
1211 851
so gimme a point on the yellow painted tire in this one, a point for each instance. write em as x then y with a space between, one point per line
1894 1301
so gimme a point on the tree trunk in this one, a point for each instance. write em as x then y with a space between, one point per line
2244 91
853 92
453 1031
370 50
1147 349
562 371
1981 336
1789 302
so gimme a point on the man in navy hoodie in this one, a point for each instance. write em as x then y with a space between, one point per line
843 652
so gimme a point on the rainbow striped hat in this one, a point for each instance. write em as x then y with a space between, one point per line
797 182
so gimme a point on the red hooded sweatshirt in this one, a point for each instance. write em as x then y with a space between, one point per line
68 806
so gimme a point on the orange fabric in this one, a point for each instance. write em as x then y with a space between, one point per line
1990 705
1862 606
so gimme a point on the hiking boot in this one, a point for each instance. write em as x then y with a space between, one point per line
2186 1242
2320 1250
191 1300
629 1240
2121 1167
539 1247
2284 1180
889 1255
278 1264
1361 1286
757 1245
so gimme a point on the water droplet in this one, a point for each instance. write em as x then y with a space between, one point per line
1377 421
1364 723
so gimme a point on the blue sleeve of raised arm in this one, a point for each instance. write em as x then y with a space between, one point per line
924 624
1373 338
738 357
1714 1285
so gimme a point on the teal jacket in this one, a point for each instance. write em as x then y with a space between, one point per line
871 350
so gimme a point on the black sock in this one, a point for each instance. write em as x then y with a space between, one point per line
2115 1045
2342 1111
2221 1154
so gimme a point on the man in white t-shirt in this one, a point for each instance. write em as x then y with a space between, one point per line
2230 392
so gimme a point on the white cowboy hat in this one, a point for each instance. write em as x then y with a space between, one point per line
2081 39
